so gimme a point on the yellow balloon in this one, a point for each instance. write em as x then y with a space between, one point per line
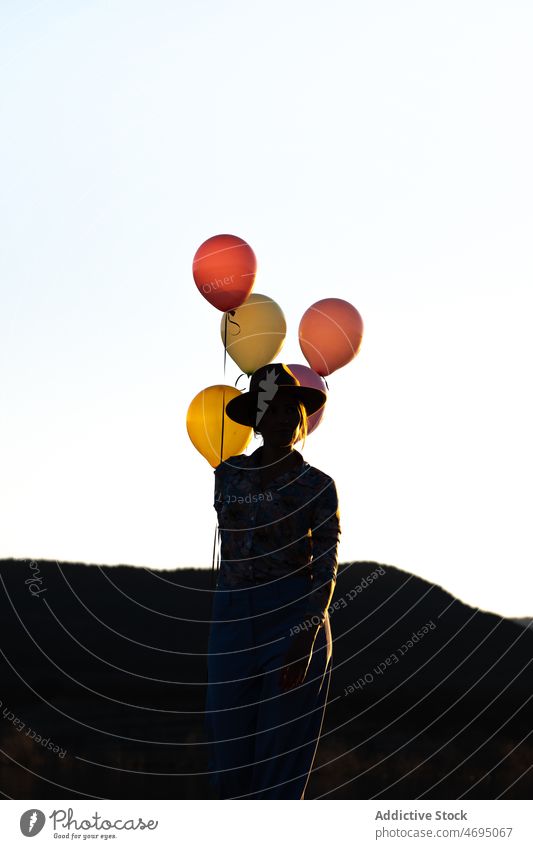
255 333
204 425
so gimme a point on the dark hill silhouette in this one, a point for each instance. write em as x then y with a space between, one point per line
429 697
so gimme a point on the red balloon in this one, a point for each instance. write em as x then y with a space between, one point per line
330 334
224 270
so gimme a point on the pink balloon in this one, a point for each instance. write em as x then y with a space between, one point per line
310 378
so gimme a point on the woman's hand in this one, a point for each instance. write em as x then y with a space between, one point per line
297 659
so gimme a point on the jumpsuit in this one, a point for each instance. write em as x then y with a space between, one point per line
262 740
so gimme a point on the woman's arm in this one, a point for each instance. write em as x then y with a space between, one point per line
325 532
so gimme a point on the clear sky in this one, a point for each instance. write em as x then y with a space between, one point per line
378 152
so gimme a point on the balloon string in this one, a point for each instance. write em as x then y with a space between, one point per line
213 560
236 323
224 391
217 530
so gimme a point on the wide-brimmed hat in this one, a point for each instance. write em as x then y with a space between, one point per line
249 407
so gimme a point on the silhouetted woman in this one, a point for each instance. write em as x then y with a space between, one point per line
269 654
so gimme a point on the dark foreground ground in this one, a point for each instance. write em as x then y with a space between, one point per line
103 676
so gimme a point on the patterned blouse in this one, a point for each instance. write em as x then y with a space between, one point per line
292 526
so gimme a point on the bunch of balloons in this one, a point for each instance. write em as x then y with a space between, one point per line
253 330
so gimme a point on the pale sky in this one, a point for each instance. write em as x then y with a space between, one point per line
377 152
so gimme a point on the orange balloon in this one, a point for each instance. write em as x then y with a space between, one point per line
204 425
224 270
330 334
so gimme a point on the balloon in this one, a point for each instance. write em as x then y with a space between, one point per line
255 333
204 425
330 334
224 270
310 378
